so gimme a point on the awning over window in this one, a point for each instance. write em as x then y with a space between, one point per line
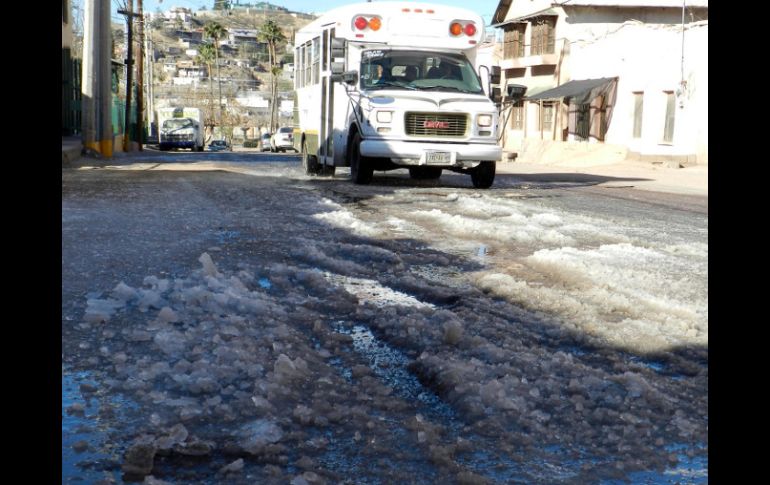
536 89
581 91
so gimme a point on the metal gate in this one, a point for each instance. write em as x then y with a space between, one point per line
70 96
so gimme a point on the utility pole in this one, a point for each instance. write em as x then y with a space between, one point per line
150 57
96 83
140 78
129 13
88 82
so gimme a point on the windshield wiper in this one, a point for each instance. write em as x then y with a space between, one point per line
392 84
448 88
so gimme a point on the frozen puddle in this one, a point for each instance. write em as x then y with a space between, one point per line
88 454
371 291
391 366
688 470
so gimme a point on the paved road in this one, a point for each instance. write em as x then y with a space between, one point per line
220 307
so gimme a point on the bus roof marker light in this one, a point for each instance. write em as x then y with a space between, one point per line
361 23
455 28
375 23
470 30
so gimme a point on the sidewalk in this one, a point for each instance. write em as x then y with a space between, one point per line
71 148
631 174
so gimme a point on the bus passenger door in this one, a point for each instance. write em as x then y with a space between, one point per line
327 101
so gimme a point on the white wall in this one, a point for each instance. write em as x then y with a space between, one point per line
647 58
252 100
646 54
525 7
185 81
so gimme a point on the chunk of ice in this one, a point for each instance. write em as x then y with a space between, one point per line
208 266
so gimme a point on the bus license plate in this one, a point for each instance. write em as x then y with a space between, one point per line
438 158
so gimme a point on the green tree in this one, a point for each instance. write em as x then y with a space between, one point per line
206 55
215 31
221 5
272 34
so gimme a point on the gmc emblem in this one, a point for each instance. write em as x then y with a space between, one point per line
435 124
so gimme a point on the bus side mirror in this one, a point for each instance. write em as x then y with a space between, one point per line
337 67
349 77
337 48
338 74
515 92
496 95
494 76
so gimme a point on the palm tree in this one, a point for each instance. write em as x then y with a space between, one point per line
215 31
207 55
272 34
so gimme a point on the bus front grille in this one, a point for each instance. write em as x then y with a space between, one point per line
449 125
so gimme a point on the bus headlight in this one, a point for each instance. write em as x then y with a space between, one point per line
384 116
484 120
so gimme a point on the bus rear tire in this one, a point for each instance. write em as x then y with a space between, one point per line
484 175
361 170
309 162
328 170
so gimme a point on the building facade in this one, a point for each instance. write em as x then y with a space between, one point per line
70 75
606 79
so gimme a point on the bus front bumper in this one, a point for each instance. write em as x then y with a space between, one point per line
420 153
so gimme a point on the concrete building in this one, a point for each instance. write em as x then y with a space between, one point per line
252 99
606 79
182 14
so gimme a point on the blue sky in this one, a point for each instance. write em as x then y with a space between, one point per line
486 8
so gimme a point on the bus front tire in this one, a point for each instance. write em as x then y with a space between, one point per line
483 175
361 170
309 162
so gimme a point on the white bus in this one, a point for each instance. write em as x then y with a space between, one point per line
390 85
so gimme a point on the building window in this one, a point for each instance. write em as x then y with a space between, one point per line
517 116
547 117
513 41
638 109
668 130
543 35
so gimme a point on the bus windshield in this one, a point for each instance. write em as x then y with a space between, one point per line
177 123
418 70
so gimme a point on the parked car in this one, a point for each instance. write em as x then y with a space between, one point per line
282 140
265 142
218 145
